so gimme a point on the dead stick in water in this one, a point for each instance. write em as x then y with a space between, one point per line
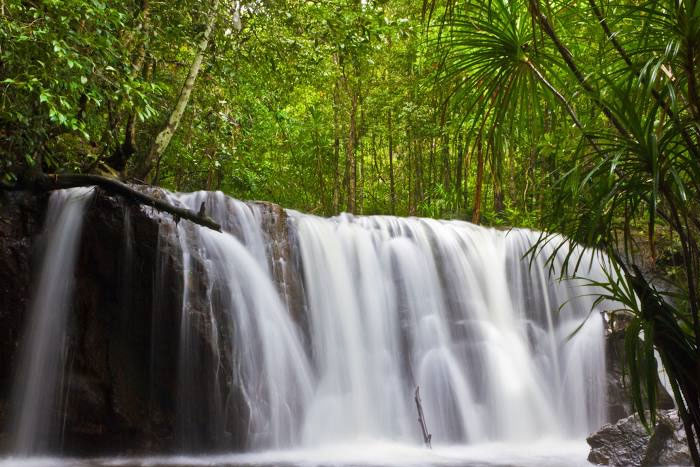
427 437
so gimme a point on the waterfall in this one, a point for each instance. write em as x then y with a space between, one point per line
271 368
37 395
391 304
320 329
450 307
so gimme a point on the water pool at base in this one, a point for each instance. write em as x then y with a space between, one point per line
362 454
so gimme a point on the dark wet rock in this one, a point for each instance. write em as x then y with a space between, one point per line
21 217
123 352
619 403
627 443
118 396
623 443
669 444
285 264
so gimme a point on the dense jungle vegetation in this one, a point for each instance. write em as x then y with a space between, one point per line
575 116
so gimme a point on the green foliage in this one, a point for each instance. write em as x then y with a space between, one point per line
62 64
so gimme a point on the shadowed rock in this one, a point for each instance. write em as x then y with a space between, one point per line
627 443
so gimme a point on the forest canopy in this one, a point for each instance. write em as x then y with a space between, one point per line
321 106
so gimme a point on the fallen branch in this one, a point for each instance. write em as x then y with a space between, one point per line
427 437
60 181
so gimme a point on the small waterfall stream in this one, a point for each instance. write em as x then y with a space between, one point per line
387 304
37 391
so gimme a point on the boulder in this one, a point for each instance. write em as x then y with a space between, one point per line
627 443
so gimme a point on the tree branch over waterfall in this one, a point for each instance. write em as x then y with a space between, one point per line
44 182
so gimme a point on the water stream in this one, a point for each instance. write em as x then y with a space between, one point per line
37 393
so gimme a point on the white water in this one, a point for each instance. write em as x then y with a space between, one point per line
397 303
272 368
448 306
540 454
390 304
36 397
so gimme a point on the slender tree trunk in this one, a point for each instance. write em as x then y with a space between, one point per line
458 173
657 96
467 169
336 152
360 175
392 189
568 58
476 213
420 176
445 149
350 153
431 164
127 149
409 153
319 169
163 138
496 175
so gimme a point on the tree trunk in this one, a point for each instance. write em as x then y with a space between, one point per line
336 153
445 149
409 170
350 153
420 177
476 213
458 172
467 169
496 176
360 176
127 149
163 138
319 169
392 189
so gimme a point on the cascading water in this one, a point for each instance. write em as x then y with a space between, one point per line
36 399
448 306
272 370
392 304
387 304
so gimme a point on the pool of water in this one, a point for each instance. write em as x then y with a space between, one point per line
540 454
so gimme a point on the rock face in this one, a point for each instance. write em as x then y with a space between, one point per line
627 443
669 444
119 397
21 216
